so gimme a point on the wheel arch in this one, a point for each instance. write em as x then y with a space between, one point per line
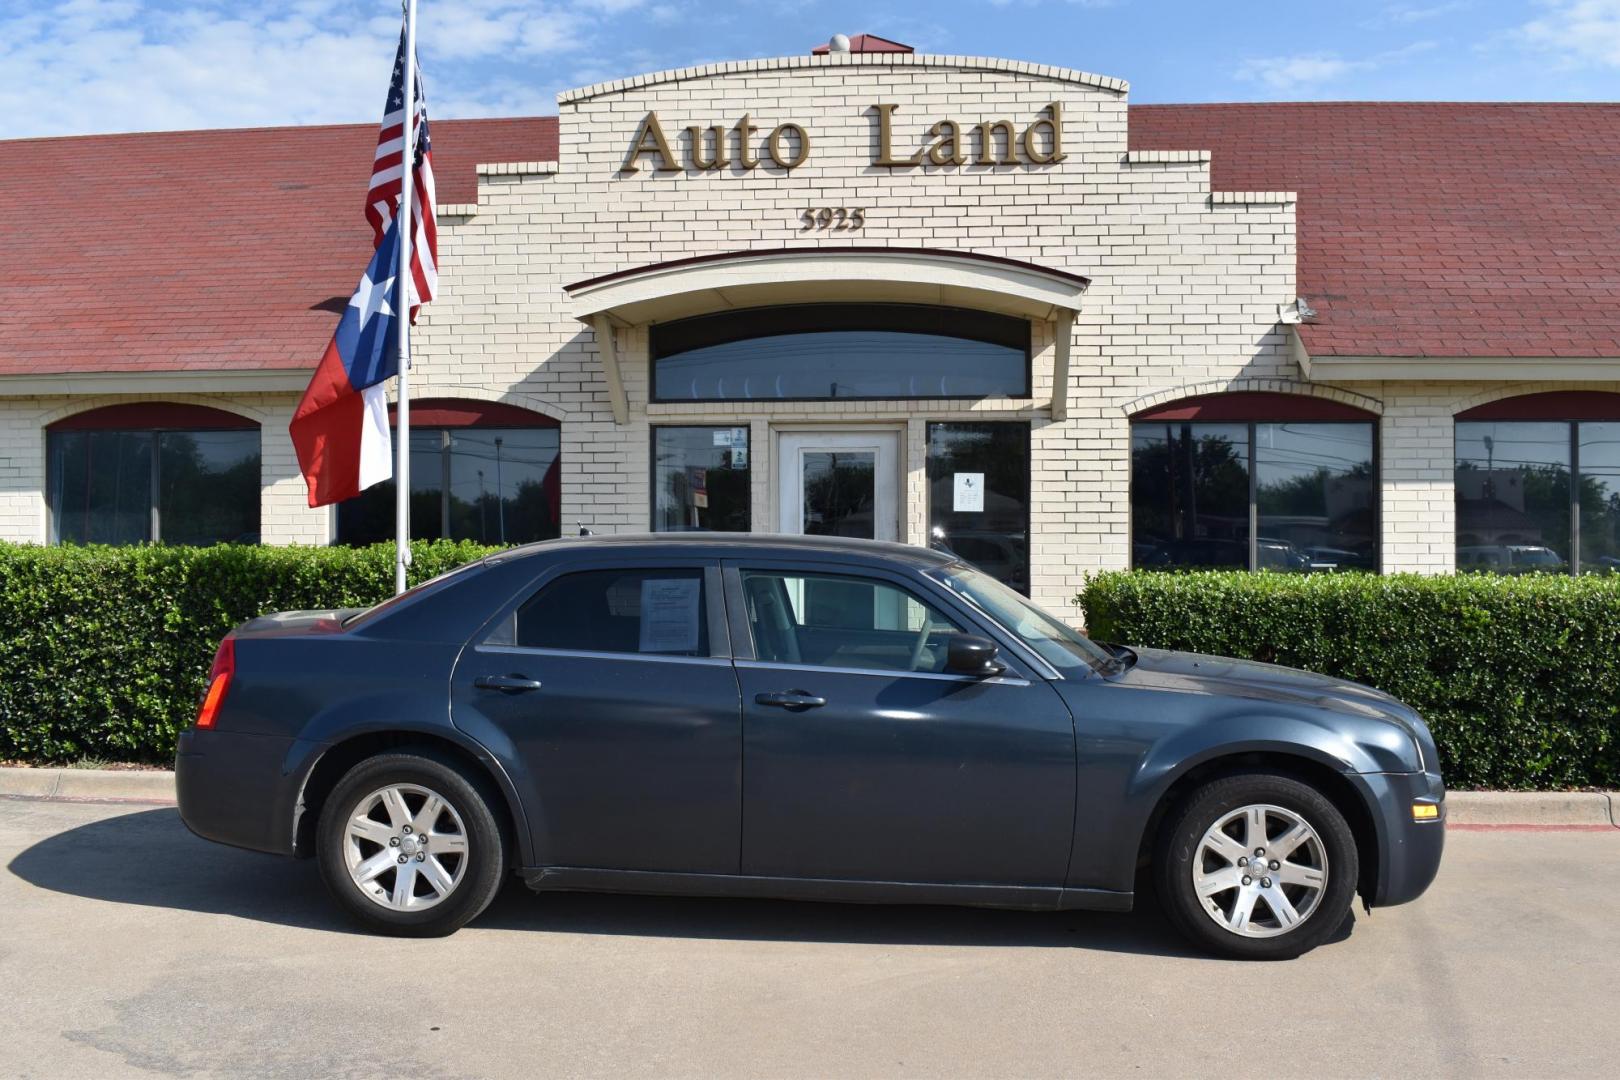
338 758
1338 787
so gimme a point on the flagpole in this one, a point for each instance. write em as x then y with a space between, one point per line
402 433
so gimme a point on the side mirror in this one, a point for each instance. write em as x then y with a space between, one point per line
968 654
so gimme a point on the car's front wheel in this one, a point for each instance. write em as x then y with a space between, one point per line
409 845
1257 866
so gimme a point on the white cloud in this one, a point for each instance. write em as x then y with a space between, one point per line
1578 32
483 28
75 66
1286 73
1307 71
1406 14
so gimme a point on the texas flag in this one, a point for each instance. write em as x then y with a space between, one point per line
340 428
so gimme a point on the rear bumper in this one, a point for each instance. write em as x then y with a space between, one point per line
1409 851
236 789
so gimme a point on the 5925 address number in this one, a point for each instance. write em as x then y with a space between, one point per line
833 218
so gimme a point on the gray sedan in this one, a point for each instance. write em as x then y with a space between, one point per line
814 718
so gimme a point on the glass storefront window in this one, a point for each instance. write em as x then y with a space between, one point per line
701 479
1189 495
1538 496
1314 495
491 485
1599 450
978 496
1314 492
823 351
174 487
1512 491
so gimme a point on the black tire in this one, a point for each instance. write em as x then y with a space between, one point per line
1183 831
476 882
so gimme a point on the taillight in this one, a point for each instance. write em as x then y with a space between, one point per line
219 680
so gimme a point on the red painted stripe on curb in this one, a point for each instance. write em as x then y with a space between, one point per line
1531 828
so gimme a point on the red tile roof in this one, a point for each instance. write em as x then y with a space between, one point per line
202 249
1432 229
865 43
1444 230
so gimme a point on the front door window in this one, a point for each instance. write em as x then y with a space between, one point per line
840 490
839 484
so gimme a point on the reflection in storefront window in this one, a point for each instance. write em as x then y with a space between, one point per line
1512 490
208 487
1189 495
101 486
840 493
491 485
1534 494
853 351
202 487
1314 495
1599 448
1314 488
700 479
978 496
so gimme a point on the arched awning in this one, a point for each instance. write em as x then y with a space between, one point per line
697 286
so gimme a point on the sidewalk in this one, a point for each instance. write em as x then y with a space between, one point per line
1465 809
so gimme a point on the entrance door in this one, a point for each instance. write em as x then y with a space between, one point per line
839 483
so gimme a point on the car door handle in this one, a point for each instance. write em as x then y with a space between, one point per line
789 699
507 684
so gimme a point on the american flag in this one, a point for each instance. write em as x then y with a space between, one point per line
382 200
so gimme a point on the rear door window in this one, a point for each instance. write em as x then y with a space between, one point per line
651 612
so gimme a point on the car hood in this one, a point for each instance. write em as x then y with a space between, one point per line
1196 673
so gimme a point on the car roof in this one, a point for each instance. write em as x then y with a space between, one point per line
721 545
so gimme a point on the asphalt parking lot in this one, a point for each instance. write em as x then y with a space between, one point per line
133 949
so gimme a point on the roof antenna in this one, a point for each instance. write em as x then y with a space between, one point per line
583 531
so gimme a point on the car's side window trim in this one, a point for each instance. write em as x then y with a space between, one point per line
661 658
888 673
498 634
742 634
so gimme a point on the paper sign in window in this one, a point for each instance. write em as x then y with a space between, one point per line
669 615
969 490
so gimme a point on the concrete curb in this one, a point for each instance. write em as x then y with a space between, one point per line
88 785
1586 809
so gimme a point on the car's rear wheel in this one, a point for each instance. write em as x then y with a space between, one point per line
1257 866
409 845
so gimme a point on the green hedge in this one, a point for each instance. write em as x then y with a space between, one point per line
103 650
1519 677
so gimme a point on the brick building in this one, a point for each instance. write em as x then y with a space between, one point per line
873 293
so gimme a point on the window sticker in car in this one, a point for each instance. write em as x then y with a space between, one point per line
669 615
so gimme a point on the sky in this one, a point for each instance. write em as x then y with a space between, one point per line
85 66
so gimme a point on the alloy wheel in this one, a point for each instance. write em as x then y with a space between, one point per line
405 847
1260 871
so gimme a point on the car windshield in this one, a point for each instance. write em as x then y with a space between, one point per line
1054 641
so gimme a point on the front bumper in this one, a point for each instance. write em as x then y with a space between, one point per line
1408 850
236 789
